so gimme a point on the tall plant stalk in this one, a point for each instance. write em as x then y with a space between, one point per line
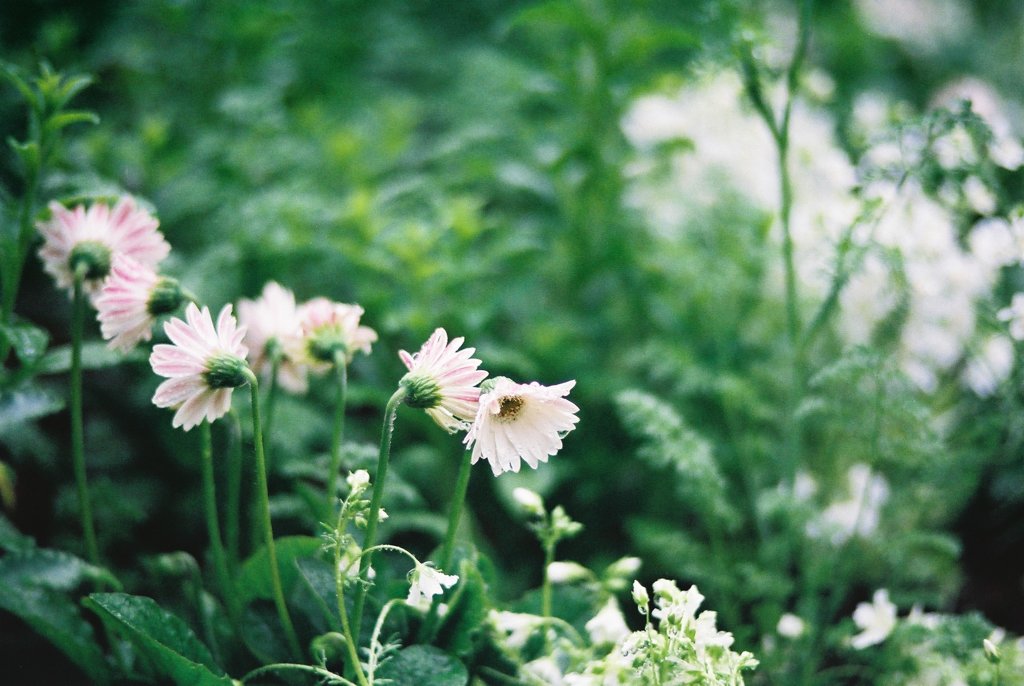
264 510
337 432
77 436
373 517
220 558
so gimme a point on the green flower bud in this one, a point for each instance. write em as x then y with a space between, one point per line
91 256
226 371
165 297
421 391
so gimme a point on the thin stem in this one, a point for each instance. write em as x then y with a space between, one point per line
545 589
341 376
339 591
271 413
234 495
375 636
77 439
220 560
455 513
308 669
268 530
390 411
25 233
448 547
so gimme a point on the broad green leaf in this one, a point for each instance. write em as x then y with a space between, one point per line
26 403
318 577
51 569
29 342
421 665
56 617
161 636
262 633
95 355
254 578
467 611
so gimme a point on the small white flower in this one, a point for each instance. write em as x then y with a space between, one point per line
1014 314
520 422
990 366
531 502
566 572
425 582
543 670
608 625
358 480
791 626
876 620
640 596
517 627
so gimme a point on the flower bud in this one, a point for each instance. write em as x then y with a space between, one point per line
640 597
531 503
991 651
358 480
790 626
165 297
226 371
92 257
624 567
566 572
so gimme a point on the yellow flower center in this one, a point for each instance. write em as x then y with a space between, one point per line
511 406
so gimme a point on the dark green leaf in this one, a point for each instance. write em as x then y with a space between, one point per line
161 636
11 539
26 91
262 633
421 665
56 616
254 579
467 611
52 569
29 342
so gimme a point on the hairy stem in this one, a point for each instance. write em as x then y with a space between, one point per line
77 438
220 559
268 530
374 514
341 376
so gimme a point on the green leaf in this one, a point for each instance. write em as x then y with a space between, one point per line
8 72
29 342
28 153
59 121
262 633
254 578
69 88
56 617
25 403
161 636
51 569
467 611
421 665
95 355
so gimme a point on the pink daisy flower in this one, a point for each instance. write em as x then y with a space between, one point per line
93 237
443 381
326 327
131 299
203 365
272 325
521 421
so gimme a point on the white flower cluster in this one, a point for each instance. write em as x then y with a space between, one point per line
856 515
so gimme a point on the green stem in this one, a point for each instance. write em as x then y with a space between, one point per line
77 439
268 530
12 283
234 496
545 589
271 413
448 547
390 411
341 375
308 669
455 513
339 590
220 559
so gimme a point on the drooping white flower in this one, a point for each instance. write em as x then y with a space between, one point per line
515 627
131 299
859 513
93 237
203 365
608 625
272 328
443 380
790 626
328 328
517 422
425 582
530 501
876 620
